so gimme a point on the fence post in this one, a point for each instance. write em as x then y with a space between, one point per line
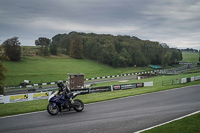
111 87
1 99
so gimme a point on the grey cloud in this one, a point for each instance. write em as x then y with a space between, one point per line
163 21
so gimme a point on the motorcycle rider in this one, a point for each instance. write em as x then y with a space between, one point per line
64 92
61 87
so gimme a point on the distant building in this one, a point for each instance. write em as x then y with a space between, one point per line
76 80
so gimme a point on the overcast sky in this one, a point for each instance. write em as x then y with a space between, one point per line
174 22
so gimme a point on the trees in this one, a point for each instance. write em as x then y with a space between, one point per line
12 49
166 58
44 44
64 44
109 54
199 55
175 55
124 58
53 49
2 70
76 47
116 51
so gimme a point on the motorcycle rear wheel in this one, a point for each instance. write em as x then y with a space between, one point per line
52 110
80 105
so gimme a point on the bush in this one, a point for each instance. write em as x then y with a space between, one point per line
12 49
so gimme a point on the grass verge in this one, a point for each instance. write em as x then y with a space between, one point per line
186 125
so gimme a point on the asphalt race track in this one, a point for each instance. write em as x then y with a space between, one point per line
125 115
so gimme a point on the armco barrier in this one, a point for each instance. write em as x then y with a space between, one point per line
45 95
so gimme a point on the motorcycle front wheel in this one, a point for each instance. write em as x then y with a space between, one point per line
52 109
79 106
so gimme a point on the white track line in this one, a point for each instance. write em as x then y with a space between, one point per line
22 114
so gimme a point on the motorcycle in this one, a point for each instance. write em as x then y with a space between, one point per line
57 103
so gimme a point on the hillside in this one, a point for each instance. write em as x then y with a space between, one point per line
45 69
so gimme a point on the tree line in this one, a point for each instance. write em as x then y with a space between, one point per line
116 51
190 50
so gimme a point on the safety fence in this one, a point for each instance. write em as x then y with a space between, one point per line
45 95
180 81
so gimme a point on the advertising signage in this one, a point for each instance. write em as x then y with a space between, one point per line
100 89
127 86
81 91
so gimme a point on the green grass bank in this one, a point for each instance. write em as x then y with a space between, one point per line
186 125
40 69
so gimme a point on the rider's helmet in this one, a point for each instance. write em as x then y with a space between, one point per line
60 84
